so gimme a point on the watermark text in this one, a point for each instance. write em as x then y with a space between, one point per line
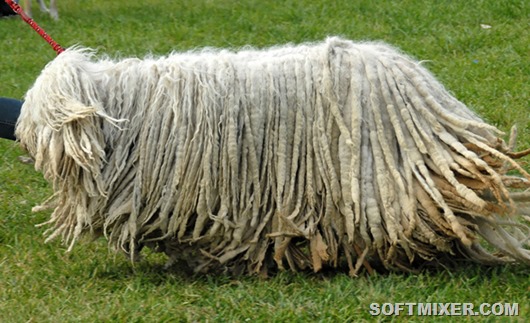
444 309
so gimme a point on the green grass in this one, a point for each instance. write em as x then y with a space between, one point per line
488 69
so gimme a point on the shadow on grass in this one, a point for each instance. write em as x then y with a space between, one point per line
152 271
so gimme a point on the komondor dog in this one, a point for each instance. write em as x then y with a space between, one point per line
329 155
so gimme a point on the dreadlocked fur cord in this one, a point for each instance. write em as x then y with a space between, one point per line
335 154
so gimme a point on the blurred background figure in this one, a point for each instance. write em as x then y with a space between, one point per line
6 11
52 10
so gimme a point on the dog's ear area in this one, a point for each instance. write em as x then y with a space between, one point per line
79 127
66 139
80 134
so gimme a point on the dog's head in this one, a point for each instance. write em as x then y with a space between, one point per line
60 121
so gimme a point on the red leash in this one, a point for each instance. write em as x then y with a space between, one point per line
16 8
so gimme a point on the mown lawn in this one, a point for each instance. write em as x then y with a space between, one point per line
479 49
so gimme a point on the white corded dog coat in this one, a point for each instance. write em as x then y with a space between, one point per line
335 154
